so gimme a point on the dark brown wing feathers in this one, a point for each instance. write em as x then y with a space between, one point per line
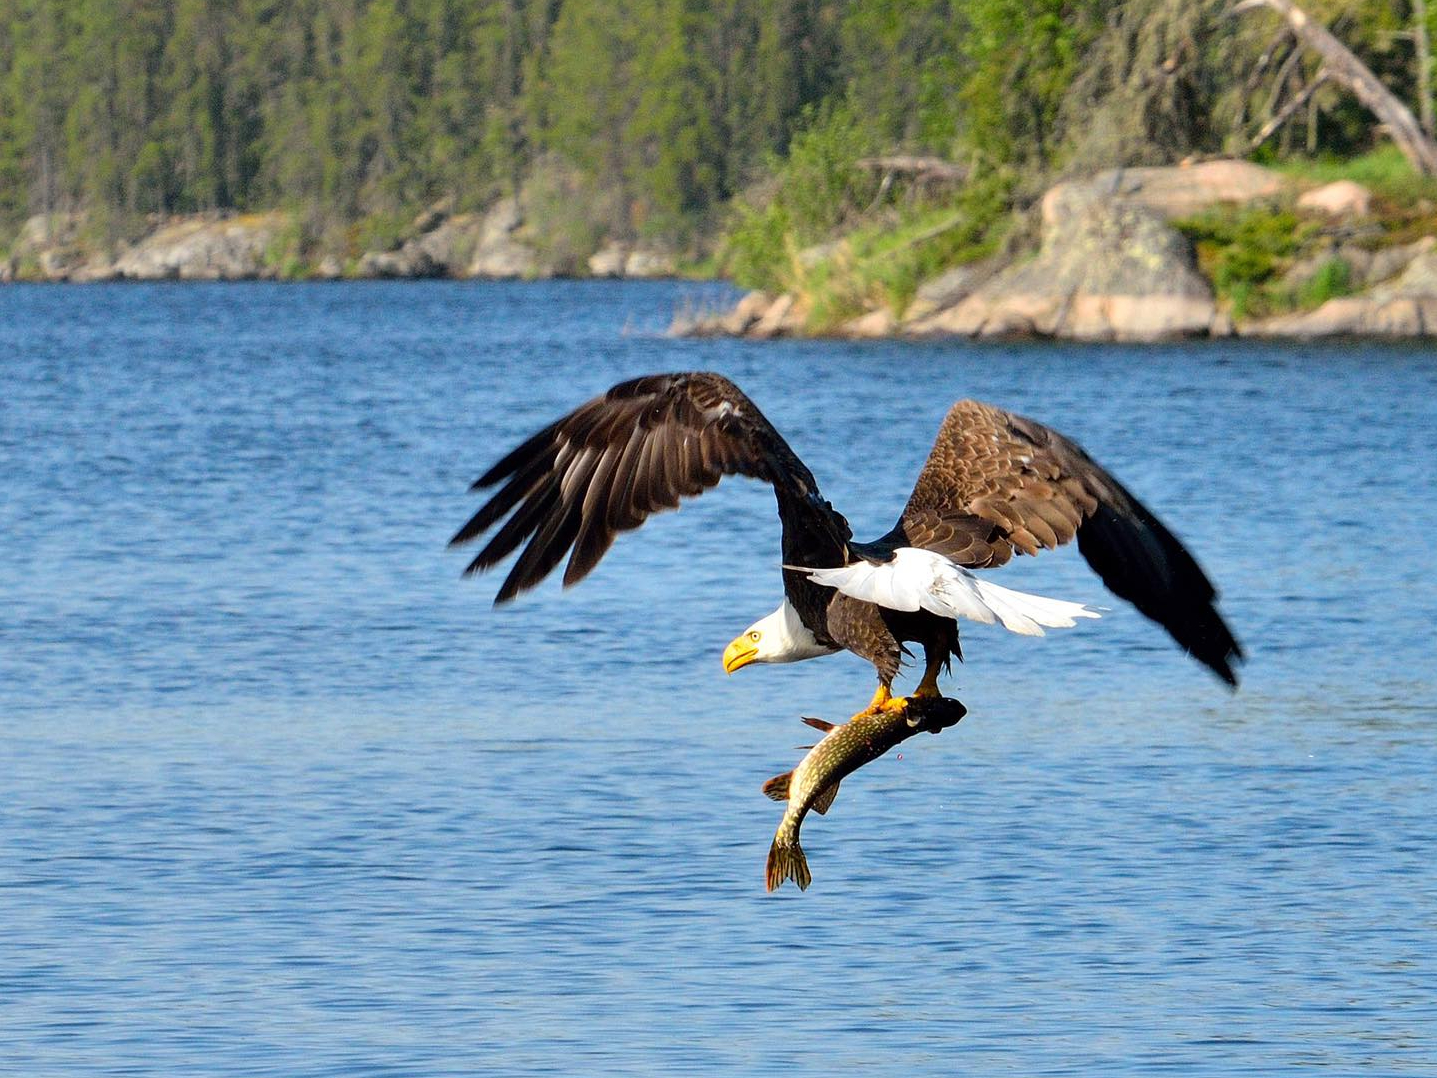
609 464
997 483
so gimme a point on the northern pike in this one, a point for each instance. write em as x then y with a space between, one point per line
845 747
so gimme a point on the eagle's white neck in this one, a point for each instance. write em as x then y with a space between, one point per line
784 638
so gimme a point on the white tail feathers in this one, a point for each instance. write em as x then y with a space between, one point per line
1022 612
920 579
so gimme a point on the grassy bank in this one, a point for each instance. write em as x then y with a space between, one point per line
828 236
1274 258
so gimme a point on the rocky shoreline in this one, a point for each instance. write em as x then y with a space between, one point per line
494 245
1110 266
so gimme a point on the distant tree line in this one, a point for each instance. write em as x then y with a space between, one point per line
345 109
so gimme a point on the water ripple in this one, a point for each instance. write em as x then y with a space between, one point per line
283 795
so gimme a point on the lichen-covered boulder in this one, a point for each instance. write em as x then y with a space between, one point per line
870 326
650 261
785 317
949 288
52 247
1344 198
410 261
501 253
745 313
1404 307
1171 191
608 260
204 249
1105 271
1390 261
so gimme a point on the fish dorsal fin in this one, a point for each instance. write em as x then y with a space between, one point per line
776 788
822 802
820 724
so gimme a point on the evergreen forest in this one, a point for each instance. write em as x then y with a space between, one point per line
665 117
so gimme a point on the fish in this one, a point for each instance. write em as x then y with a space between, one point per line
844 748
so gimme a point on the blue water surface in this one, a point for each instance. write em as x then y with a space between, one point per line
282 795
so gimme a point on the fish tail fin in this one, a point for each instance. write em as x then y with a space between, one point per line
776 788
787 862
824 801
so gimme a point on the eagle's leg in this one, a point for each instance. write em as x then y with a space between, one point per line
934 659
884 700
928 687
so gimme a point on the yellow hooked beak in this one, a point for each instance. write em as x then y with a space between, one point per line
740 653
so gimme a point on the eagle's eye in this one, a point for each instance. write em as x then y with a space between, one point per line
753 637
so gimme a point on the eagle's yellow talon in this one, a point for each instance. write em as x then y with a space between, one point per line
879 702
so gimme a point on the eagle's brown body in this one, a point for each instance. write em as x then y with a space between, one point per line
878 635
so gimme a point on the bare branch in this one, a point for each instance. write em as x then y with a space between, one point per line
920 168
1344 67
1279 84
1288 111
1282 40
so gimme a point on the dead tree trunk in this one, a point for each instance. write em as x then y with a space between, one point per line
1424 63
1345 68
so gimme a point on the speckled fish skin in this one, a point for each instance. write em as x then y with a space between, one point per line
843 750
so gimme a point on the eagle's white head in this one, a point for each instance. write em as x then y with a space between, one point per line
781 637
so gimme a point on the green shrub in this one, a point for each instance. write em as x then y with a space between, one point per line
818 189
285 250
753 251
820 184
380 232
892 262
880 253
1332 279
881 264
1244 250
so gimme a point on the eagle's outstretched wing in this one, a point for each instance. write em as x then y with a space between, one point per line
636 450
998 482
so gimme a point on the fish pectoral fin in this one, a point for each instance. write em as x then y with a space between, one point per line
823 801
820 724
776 788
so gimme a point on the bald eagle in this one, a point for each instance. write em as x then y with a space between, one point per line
994 485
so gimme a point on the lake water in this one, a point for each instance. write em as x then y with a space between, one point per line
282 795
